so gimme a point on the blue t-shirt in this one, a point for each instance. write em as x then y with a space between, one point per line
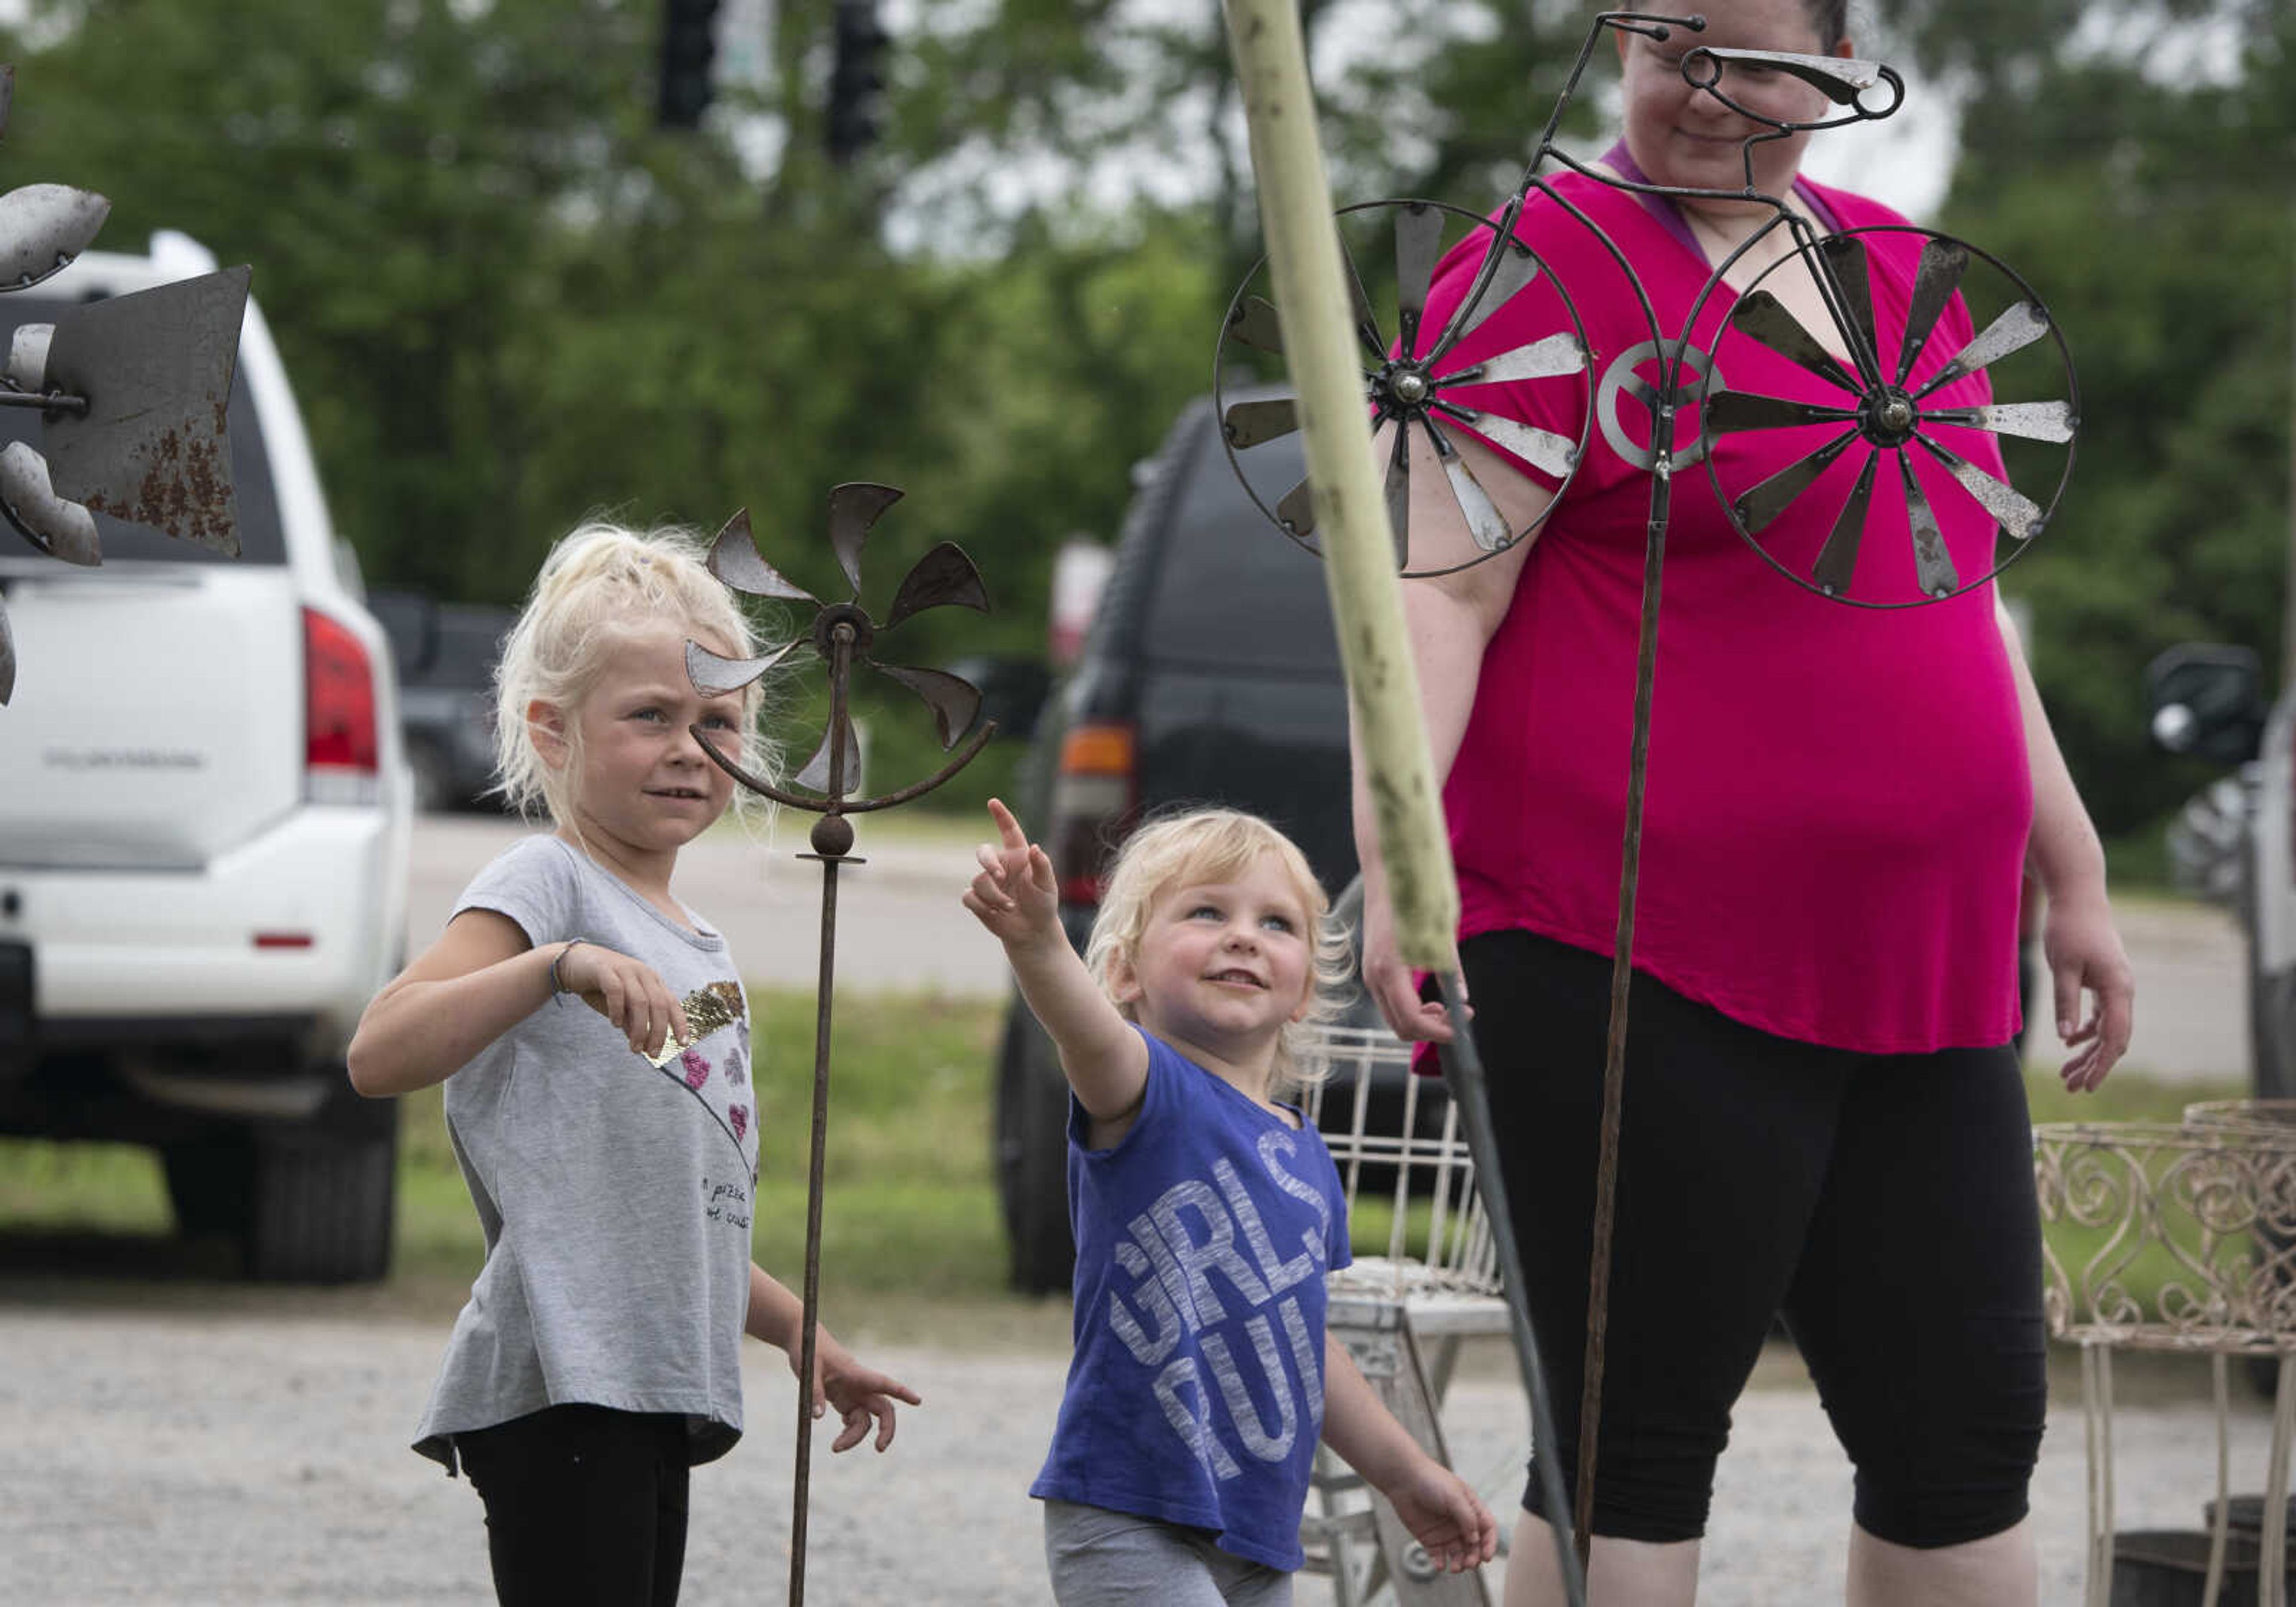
1196 1392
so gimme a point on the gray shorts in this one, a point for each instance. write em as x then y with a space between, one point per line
1103 1559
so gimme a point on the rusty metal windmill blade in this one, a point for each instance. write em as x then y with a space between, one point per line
1728 412
1516 267
1762 316
1251 423
714 675
1374 344
1935 278
853 508
43 226
2052 422
1485 523
2011 509
940 578
1542 450
1418 244
1295 511
2014 329
955 701
28 500
815 776
1397 489
1932 563
155 369
1254 322
1765 502
1837 561
1846 256
7 658
1549 358
735 559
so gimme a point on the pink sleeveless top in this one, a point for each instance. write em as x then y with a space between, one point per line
1839 796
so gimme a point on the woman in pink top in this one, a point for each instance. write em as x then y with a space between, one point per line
1822 1116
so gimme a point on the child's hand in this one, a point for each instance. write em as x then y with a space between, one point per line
862 1396
1446 1515
628 993
1014 896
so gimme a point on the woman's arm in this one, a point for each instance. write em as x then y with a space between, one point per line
1451 619
1435 1504
2082 946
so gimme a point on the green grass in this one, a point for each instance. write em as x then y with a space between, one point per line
912 1240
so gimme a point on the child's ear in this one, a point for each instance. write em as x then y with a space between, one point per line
1123 982
545 728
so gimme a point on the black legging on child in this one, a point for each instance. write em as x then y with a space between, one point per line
584 1503
1883 1203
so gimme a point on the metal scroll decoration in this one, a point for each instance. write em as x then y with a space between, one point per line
1869 438
132 392
842 634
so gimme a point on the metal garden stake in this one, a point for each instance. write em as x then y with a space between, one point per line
1343 368
132 391
842 634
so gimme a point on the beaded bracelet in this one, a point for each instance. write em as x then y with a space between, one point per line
558 987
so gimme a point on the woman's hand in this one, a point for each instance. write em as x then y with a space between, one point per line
1015 896
1446 1516
1388 979
629 993
2085 955
861 1395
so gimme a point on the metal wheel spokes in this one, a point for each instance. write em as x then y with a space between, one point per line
843 633
1402 387
1968 321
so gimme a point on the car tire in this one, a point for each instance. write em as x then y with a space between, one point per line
210 1184
1032 1109
321 1209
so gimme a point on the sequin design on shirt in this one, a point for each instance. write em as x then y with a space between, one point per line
707 1009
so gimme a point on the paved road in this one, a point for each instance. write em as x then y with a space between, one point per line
245 1455
900 926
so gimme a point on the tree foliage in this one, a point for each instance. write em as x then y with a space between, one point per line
507 299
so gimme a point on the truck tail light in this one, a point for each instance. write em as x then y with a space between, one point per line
1095 804
342 748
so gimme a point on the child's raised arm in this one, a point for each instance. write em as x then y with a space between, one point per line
480 979
1016 898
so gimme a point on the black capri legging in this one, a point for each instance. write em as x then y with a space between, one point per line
1883 1203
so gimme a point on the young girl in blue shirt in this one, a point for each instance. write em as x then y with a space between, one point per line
1206 1213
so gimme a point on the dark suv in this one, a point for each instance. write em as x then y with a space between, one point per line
1210 675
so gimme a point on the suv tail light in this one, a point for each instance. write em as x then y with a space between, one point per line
1095 802
341 754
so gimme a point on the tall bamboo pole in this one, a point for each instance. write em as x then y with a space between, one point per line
1313 312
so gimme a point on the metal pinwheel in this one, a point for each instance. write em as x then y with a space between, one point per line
131 392
1888 397
842 633
1404 381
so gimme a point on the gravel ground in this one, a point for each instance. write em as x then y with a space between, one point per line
256 1457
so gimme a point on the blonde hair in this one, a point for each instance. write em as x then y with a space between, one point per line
1215 845
602 585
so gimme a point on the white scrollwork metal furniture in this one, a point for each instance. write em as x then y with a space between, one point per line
2177 1238
1403 1313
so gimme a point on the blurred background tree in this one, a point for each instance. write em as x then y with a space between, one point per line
509 295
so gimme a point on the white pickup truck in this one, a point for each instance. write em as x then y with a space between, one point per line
204 811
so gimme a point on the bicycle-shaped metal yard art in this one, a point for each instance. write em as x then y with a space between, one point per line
841 634
1891 411
132 391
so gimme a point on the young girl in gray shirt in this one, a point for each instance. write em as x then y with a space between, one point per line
611 1150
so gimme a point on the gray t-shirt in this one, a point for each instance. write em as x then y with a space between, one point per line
615 1195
